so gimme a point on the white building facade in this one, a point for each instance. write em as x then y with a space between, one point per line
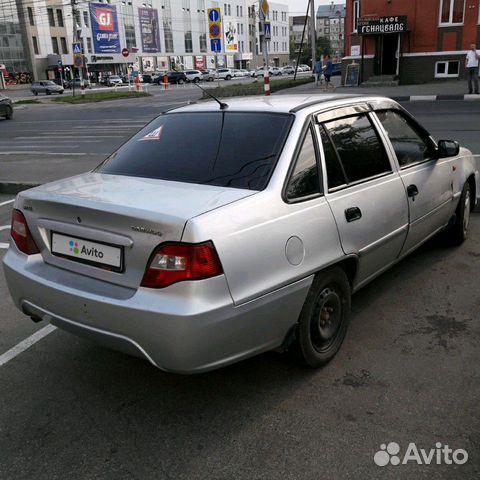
159 35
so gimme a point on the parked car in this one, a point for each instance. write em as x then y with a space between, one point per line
304 68
194 76
225 73
288 70
6 107
78 84
174 77
208 75
272 72
243 72
253 243
147 78
114 80
47 87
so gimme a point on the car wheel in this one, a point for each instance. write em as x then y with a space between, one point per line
196 80
210 79
228 77
181 81
48 92
60 93
323 322
35 93
459 231
9 112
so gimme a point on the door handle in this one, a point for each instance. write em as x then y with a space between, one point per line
352 214
412 191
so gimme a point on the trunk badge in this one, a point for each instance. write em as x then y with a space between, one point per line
136 228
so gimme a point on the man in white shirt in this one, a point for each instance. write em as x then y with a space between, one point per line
471 62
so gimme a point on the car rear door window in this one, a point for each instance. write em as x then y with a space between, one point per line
229 149
360 149
409 146
335 174
304 180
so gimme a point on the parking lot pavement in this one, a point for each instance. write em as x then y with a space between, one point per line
407 373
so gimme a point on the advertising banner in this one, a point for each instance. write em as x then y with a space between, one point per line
231 38
376 25
199 62
106 38
149 30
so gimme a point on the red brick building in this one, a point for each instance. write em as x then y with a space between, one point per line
416 41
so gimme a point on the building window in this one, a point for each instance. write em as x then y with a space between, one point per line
35 45
89 45
63 42
447 68
51 18
356 15
55 45
451 12
203 42
60 18
85 19
188 42
30 16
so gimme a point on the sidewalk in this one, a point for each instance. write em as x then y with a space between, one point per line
442 90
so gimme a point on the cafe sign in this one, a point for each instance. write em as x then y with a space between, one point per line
382 25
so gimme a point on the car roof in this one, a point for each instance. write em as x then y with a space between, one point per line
277 103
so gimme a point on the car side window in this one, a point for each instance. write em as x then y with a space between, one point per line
304 180
335 173
409 146
359 147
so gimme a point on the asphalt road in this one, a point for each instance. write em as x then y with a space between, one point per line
407 372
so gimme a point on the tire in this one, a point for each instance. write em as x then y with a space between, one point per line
48 92
60 93
323 322
35 93
228 77
196 80
458 233
181 81
9 112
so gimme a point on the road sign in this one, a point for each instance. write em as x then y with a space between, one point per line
215 31
77 48
125 52
264 8
214 15
215 45
267 30
214 24
78 61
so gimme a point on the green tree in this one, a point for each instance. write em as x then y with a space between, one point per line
322 47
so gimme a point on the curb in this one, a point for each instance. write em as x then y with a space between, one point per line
15 187
435 98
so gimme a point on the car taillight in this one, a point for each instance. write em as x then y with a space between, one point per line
177 262
21 234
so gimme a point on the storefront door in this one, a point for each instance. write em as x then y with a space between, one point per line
386 54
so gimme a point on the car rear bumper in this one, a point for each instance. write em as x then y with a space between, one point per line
189 327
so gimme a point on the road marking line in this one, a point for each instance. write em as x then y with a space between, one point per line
23 152
25 344
4 227
4 245
7 202
89 137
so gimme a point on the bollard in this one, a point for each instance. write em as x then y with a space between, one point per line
165 81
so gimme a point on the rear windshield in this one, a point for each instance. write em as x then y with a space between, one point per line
228 149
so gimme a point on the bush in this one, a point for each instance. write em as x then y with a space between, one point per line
100 97
256 88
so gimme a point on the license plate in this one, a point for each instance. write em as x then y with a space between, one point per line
86 251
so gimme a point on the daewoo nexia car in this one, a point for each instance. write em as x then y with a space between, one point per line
222 230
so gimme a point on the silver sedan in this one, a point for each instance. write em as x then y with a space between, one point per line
223 230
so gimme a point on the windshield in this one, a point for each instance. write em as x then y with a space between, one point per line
228 149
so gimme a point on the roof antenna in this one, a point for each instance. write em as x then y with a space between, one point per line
223 106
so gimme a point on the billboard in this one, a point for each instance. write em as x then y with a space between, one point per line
231 38
149 30
106 38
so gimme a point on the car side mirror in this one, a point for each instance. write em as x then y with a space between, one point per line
448 148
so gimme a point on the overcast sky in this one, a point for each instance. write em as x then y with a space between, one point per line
299 7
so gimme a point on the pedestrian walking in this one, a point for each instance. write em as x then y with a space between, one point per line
471 62
317 70
328 71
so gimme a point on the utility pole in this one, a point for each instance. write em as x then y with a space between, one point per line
254 35
76 39
266 76
313 33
